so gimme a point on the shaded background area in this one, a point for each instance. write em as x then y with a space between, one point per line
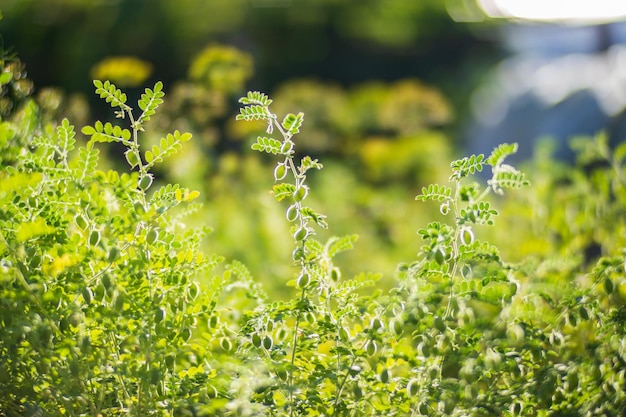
344 41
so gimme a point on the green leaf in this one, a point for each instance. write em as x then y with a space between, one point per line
319 219
435 192
256 97
149 101
111 94
499 154
340 244
283 190
269 145
253 112
291 123
469 165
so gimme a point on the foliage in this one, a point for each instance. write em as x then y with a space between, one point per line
99 304
110 304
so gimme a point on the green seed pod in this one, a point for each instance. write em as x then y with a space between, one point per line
159 315
584 314
371 347
572 380
256 340
439 324
107 282
357 391
281 373
385 376
94 237
423 408
297 254
213 322
292 213
377 324
281 334
286 147
335 274
139 208
80 222
440 256
169 362
268 342
300 234
269 325
87 295
280 172
396 325
114 254
145 182
609 286
412 387
467 236
131 158
152 236
433 372
226 344
303 280
186 334
300 193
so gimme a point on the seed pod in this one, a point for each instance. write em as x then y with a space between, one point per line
357 391
343 334
152 236
292 213
131 158
297 254
584 314
213 322
145 182
159 315
80 222
439 324
300 193
286 147
385 376
300 234
139 208
94 237
467 236
280 172
423 408
412 387
87 295
256 340
114 254
226 344
268 342
371 347
303 280
397 327
440 256
107 282
281 334
377 324
335 274
281 373
169 362
609 286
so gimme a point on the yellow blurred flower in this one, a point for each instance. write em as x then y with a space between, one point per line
222 68
124 71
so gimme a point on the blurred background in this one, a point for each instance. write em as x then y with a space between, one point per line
392 91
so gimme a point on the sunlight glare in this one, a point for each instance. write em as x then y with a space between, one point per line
557 10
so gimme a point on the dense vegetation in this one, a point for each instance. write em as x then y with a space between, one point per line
114 303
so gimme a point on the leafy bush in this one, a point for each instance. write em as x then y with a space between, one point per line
110 306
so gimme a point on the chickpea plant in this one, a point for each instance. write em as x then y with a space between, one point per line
98 302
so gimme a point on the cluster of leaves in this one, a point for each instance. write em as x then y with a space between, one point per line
109 307
99 306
